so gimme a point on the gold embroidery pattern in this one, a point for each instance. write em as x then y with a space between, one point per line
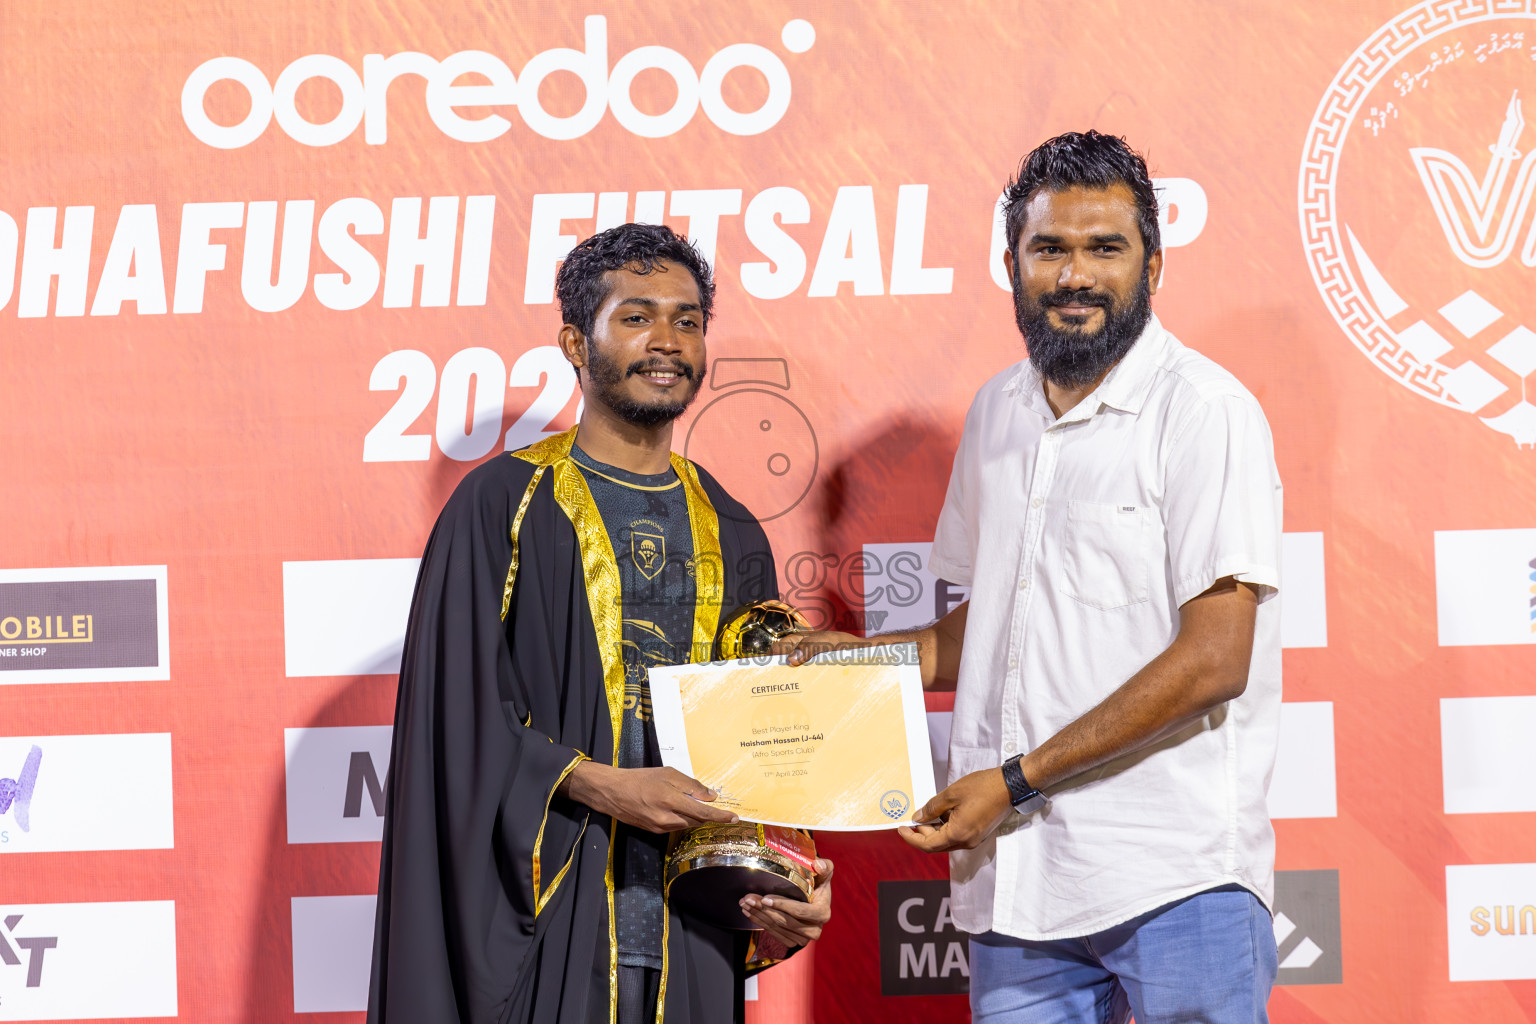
708 564
601 571
517 525
538 842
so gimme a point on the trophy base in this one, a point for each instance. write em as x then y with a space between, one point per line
711 867
710 888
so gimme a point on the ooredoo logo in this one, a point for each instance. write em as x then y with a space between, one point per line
1415 195
364 97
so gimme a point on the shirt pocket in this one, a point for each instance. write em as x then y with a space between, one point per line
1108 554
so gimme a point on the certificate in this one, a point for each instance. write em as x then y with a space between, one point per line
840 743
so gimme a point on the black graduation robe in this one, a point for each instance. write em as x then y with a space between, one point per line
495 894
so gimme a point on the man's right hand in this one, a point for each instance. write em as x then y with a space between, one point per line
655 799
802 647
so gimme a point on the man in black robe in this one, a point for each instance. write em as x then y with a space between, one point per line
525 832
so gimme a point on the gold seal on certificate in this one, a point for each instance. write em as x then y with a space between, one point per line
840 743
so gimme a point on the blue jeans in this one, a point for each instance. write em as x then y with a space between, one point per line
1209 958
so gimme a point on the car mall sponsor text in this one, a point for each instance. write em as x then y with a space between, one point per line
921 950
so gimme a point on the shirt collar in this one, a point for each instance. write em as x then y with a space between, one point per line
1125 387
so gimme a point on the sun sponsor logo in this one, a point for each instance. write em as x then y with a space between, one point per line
1491 920
458 108
1415 192
1502 920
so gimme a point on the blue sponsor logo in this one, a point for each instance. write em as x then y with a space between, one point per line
894 804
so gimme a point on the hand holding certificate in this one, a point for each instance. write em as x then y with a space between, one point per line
839 744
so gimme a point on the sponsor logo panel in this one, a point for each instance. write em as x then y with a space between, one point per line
1304 784
1491 920
110 792
900 592
1487 757
1485 587
922 953
101 624
87 961
346 617
939 725
1307 928
1303 597
335 781
332 952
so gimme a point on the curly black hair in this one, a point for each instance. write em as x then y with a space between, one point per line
1083 160
640 248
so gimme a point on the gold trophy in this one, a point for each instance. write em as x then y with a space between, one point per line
711 867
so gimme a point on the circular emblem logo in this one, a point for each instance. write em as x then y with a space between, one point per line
1416 205
895 803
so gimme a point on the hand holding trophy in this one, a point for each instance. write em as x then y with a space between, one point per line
712 868
839 744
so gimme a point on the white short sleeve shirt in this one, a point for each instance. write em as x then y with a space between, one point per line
1080 538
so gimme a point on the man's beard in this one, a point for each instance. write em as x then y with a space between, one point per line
1074 358
605 377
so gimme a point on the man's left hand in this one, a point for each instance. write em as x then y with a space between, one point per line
966 814
792 922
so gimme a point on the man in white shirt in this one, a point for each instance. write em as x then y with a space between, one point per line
1115 509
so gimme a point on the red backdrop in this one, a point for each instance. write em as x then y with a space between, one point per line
143 427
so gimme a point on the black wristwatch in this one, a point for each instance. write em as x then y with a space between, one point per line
1020 791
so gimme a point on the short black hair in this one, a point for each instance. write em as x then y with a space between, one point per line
640 248
1083 160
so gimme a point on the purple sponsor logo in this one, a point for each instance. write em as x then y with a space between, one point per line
16 794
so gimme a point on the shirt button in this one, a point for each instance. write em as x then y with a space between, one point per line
1023 584
1036 502
1013 663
